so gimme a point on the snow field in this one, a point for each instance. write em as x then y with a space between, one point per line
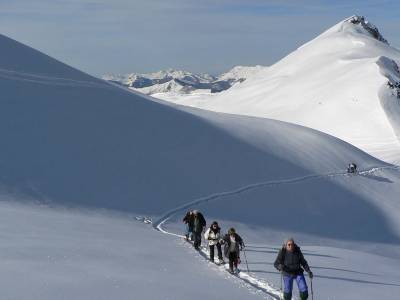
338 249
70 140
50 253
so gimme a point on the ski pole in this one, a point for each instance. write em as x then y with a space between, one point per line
312 292
245 258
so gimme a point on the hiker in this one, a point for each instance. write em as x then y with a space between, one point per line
290 262
352 168
213 236
233 243
188 220
198 226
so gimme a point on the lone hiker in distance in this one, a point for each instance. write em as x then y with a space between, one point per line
290 262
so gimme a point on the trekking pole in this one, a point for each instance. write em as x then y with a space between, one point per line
312 292
245 258
204 241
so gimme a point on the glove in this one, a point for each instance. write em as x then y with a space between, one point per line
280 267
310 274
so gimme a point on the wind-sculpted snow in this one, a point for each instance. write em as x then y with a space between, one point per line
331 84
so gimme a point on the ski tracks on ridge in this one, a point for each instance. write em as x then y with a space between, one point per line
50 80
258 284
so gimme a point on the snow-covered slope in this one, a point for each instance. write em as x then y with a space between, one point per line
69 139
241 72
73 139
345 82
52 254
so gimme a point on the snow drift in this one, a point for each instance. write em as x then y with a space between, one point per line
345 82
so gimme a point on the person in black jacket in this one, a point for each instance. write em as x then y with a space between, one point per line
233 243
199 223
188 220
290 261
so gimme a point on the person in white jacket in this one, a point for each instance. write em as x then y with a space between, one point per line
213 236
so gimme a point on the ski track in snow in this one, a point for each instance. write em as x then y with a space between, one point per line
49 80
248 278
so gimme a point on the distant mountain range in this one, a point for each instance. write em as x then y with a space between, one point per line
183 82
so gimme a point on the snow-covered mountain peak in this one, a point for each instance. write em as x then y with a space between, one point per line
343 82
354 26
367 27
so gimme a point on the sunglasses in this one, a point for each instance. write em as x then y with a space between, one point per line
290 244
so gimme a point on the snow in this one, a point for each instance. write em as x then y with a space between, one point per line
355 244
241 72
81 158
332 84
66 254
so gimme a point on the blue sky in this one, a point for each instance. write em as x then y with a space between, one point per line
121 36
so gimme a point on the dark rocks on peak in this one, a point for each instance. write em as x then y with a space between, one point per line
370 28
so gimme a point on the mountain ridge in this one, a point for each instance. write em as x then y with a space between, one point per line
183 82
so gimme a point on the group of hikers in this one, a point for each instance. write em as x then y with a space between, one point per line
290 260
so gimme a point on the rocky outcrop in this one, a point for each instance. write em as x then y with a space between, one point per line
370 28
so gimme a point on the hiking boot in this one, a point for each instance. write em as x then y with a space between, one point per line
287 296
304 295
